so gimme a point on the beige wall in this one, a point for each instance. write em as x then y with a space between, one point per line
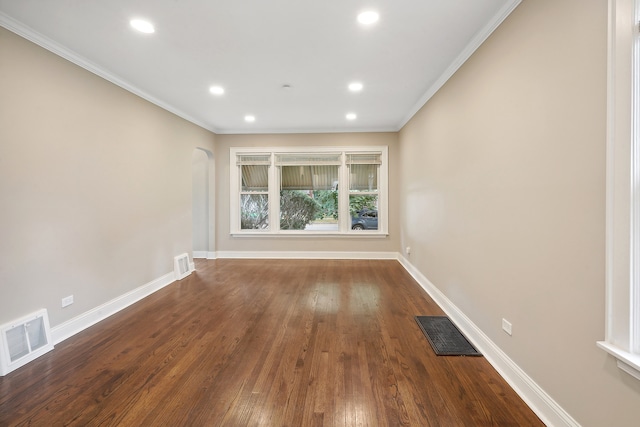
497 184
95 185
224 241
506 164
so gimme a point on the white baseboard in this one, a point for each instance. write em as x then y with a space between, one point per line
79 323
306 255
547 409
204 254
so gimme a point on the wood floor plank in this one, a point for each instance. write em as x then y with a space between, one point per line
264 343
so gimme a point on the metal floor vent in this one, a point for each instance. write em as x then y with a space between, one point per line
23 340
181 267
445 338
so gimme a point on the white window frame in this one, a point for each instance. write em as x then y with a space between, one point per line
344 217
622 330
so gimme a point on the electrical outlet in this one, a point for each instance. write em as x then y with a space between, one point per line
67 301
408 250
506 326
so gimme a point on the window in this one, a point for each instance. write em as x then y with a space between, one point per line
254 191
309 190
622 331
364 170
306 191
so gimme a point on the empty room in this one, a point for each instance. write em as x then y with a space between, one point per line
245 213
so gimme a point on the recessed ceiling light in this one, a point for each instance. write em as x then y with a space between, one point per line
351 116
216 90
369 17
355 87
142 26
249 119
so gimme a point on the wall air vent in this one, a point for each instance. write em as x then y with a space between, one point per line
181 266
23 340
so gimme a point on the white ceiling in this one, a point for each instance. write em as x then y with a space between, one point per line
254 47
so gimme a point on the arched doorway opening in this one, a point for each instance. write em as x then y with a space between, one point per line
203 231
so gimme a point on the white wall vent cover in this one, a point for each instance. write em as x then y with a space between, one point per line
23 340
181 266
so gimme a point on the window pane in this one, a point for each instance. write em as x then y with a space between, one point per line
328 201
255 178
316 177
297 209
309 198
364 211
254 211
363 178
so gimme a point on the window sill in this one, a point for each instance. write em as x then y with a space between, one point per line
628 362
357 234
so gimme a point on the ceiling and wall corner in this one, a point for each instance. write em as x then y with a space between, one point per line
286 63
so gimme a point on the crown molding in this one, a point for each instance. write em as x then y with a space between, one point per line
43 41
280 131
473 45
28 33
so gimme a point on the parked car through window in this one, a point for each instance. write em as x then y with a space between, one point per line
365 219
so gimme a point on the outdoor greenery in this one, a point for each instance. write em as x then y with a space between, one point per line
297 209
357 203
328 202
254 212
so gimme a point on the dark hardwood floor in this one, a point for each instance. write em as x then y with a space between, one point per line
264 343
